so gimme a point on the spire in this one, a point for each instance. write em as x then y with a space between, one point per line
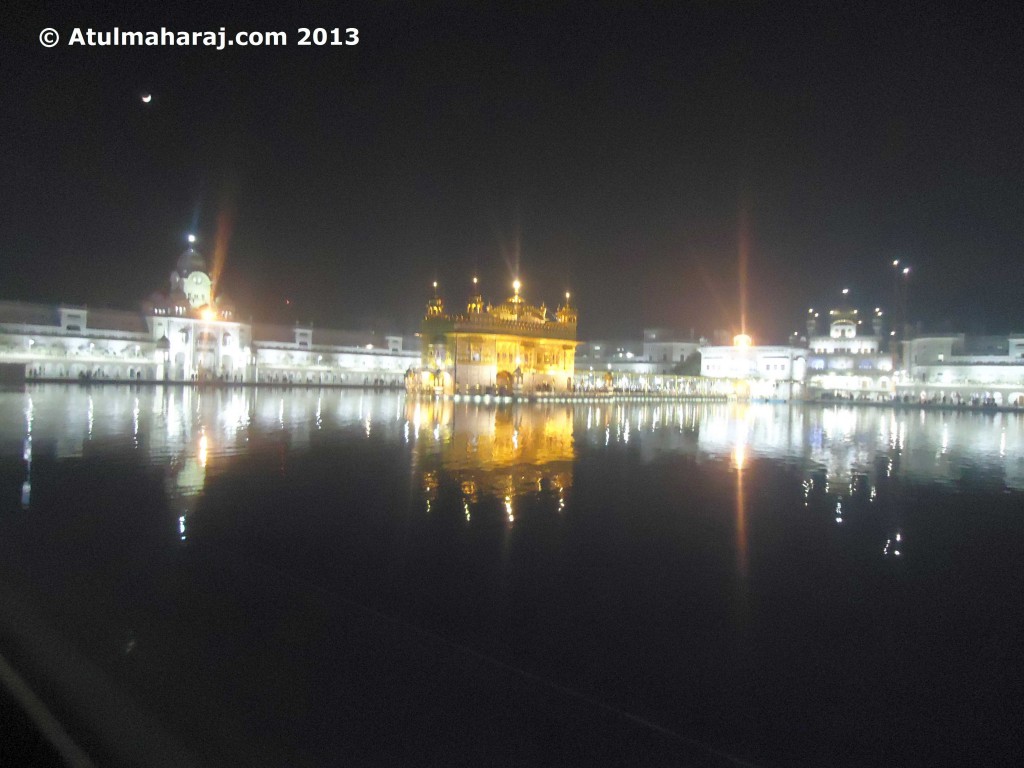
476 300
567 312
435 307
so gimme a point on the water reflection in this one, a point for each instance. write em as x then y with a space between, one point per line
501 452
187 432
705 563
845 455
739 460
851 445
26 456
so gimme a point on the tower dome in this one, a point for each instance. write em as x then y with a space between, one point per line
190 261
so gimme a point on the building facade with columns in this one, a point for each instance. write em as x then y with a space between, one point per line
848 360
190 333
744 370
963 368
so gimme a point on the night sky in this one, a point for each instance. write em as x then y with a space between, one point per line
624 155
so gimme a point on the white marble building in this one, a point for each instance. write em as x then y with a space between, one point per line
848 360
964 368
760 372
189 333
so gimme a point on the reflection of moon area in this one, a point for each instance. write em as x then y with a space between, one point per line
147 98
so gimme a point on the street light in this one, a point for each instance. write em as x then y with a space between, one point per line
901 318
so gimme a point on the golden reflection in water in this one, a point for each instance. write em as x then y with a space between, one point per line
492 452
742 423
739 458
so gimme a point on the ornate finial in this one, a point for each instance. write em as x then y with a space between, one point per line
476 301
566 313
435 307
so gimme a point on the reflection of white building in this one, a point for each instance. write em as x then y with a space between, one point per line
983 368
844 443
848 361
190 333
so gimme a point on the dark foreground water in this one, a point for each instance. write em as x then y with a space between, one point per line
343 578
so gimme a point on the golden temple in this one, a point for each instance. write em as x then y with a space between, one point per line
513 347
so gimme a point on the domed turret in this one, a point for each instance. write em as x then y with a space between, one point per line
567 312
476 301
190 261
435 307
843 323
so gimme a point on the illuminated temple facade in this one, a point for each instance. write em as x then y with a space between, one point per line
510 348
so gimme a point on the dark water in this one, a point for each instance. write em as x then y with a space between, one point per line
345 578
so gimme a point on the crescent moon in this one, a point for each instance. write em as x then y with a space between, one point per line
147 98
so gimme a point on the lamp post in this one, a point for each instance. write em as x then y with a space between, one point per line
898 334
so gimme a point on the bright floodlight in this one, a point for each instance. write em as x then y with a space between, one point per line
209 314
906 270
191 238
517 285
845 291
741 340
